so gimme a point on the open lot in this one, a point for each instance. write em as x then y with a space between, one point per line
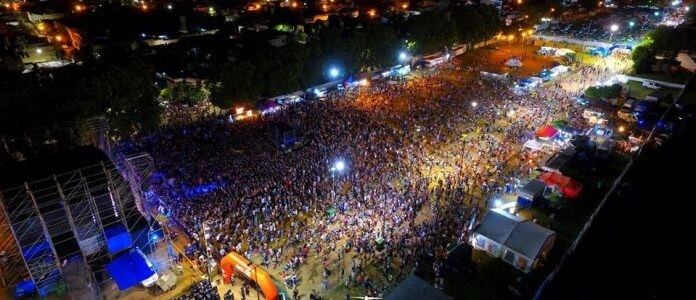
493 59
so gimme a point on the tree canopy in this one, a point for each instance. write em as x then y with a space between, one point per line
124 93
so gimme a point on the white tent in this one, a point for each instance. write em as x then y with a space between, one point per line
563 51
514 62
534 145
557 70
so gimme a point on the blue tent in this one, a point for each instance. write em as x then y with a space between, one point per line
117 238
130 269
25 288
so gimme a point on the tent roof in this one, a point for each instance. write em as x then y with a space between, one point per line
534 187
524 237
533 144
414 288
528 238
496 227
129 269
547 131
556 162
555 178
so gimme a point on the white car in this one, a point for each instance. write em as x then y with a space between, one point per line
651 85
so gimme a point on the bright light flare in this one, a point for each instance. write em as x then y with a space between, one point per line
403 56
614 27
474 104
334 72
338 166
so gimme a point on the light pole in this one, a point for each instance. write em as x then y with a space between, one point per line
613 29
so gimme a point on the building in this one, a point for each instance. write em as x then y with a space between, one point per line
520 243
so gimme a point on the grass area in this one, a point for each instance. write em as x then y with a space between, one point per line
637 90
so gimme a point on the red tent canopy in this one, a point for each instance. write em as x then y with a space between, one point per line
570 188
546 132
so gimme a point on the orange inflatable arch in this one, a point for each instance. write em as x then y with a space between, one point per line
235 262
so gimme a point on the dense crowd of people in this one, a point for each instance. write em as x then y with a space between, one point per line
420 157
202 290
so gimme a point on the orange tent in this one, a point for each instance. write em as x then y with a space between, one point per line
235 262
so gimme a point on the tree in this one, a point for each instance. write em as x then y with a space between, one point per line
236 83
643 58
188 94
603 92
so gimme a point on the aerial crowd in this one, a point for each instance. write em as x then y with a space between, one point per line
418 156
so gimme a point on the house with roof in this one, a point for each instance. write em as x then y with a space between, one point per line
520 243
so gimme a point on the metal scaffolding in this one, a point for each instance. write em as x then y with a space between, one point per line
53 231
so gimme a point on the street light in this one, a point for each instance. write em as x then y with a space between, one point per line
403 56
338 166
474 104
333 72
631 24
613 29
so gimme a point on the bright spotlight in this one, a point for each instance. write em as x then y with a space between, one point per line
334 72
657 13
497 203
631 23
338 166
614 27
474 104
403 56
